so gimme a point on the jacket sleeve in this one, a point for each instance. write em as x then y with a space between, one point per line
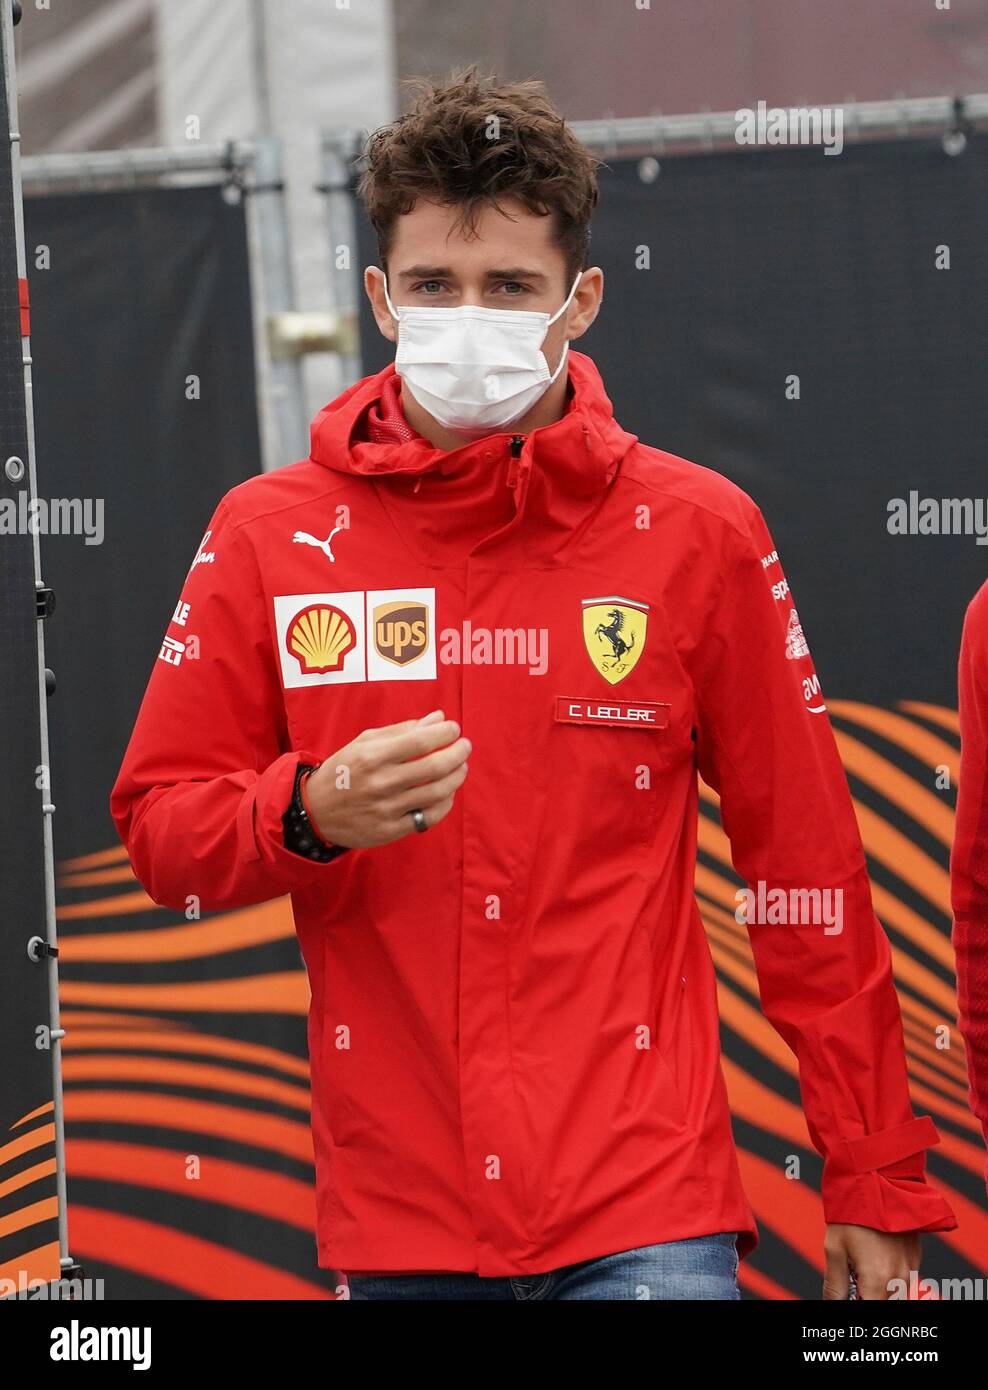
969 857
208 772
764 743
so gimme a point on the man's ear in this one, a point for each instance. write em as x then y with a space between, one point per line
586 302
374 287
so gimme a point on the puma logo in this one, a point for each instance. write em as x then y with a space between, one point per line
304 538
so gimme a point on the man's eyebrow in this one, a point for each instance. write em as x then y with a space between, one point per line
442 272
425 272
515 272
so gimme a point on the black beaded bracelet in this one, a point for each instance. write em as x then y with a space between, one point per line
298 834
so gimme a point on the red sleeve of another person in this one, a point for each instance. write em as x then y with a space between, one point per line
969 860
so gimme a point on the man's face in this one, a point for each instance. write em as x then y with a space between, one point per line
512 262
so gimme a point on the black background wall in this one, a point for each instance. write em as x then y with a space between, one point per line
778 262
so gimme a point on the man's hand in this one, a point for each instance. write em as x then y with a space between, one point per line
385 773
873 1257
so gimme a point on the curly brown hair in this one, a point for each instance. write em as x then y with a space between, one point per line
467 141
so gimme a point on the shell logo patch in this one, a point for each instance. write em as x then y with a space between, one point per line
614 631
319 638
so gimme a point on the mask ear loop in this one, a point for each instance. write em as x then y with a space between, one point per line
568 301
561 310
387 299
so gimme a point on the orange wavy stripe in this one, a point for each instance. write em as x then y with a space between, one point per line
945 1109
44 1262
120 905
198 1043
85 1018
952 1090
233 931
920 931
27 1177
101 1066
730 954
31 1215
33 1139
756 1282
920 1026
283 993
87 878
195 1116
906 968
184 1261
710 837
896 786
936 714
912 738
971 1235
114 855
752 1025
752 1101
43 1109
788 1207
243 1186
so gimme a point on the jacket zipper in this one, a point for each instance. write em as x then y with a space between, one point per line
517 444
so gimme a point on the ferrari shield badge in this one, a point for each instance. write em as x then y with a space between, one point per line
614 634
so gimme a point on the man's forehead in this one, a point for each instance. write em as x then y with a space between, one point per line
434 236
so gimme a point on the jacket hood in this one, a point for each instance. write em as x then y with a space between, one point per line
581 450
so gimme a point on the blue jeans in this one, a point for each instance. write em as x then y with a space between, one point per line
705 1267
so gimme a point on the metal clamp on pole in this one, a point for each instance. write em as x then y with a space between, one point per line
956 138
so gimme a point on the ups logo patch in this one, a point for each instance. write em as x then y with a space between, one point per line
401 631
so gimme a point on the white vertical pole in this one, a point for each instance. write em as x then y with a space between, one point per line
10 79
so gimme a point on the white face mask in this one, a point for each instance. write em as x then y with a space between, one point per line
475 370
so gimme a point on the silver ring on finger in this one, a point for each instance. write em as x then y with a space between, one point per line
418 819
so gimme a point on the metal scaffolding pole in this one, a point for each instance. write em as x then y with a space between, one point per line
46 951
697 132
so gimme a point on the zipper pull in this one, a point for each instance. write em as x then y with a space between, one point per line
517 444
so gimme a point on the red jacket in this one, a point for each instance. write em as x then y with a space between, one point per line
969 858
514 1032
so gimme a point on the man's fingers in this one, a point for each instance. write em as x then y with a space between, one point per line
871 1289
433 815
421 798
419 772
414 742
400 727
837 1276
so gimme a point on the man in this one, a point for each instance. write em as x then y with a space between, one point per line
969 858
505 635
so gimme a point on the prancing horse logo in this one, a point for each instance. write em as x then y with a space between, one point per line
614 634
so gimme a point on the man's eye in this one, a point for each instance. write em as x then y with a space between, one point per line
430 286
512 288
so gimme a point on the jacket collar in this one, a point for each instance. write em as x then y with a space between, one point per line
463 496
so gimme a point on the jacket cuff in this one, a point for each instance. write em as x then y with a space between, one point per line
260 828
878 1181
887 1146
